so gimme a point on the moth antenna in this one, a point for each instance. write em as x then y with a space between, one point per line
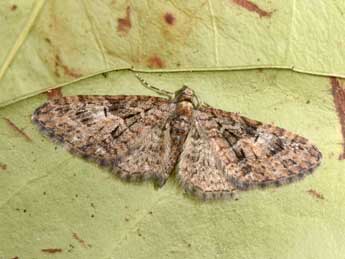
153 88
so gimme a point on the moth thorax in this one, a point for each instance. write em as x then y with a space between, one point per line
184 108
185 98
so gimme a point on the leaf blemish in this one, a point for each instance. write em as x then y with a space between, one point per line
51 250
54 93
67 71
338 93
316 194
81 241
125 24
252 7
18 130
169 18
48 40
3 166
155 62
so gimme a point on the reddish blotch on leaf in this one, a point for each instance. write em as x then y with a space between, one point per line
169 18
155 62
125 24
252 7
338 93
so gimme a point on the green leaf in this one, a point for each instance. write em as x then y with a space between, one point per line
49 197
238 55
53 43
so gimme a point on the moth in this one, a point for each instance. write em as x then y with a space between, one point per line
215 153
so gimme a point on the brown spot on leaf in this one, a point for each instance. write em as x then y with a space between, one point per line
316 194
125 24
48 40
71 247
138 231
338 93
54 93
16 129
252 7
169 18
3 166
14 7
51 250
81 241
67 71
155 62
260 70
16 257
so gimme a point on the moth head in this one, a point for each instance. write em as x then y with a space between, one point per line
185 94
